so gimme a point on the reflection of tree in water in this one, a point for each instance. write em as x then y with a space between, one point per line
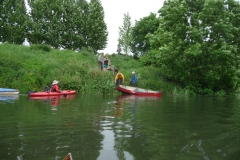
122 129
181 132
36 132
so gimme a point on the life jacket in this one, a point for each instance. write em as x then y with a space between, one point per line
53 89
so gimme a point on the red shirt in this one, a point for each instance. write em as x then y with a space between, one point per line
55 88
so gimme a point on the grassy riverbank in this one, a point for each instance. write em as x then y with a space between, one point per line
31 69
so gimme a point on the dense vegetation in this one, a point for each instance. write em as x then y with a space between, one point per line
191 44
197 45
33 68
67 24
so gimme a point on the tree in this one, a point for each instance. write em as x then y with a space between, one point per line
45 23
140 44
125 34
197 44
68 24
12 21
95 27
72 34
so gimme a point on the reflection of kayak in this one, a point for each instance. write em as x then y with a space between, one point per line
9 97
53 99
138 91
8 91
44 94
126 97
69 96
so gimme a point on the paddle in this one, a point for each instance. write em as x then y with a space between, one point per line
29 92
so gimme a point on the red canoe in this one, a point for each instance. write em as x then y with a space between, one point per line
138 91
44 94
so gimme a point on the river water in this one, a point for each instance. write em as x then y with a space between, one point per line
100 127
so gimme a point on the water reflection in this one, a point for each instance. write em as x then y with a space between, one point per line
117 127
120 127
53 100
118 107
8 98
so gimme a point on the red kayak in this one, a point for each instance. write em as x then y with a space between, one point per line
67 96
138 91
44 94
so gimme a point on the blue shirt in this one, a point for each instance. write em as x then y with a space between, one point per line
134 78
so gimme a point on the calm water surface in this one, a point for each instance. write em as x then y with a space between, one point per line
119 128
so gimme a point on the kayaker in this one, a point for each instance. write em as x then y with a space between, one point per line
119 79
133 81
55 87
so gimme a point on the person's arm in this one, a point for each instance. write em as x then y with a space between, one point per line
57 88
123 77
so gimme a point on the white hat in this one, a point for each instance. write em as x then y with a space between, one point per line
133 72
55 82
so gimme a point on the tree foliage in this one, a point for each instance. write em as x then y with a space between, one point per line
125 34
68 24
72 36
148 25
44 22
96 27
198 44
12 21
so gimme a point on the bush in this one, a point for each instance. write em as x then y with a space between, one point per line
10 70
42 47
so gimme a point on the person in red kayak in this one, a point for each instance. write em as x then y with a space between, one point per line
55 87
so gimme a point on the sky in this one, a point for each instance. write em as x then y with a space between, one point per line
114 13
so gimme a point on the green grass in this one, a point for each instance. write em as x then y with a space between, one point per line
33 68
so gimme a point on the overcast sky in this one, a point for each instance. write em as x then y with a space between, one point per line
114 13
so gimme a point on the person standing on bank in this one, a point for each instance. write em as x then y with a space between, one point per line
119 79
105 64
100 61
133 81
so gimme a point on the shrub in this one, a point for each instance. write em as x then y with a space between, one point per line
42 47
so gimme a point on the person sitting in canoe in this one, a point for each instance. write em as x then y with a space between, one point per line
55 87
119 79
133 81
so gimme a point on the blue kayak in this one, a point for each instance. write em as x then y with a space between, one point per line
8 90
